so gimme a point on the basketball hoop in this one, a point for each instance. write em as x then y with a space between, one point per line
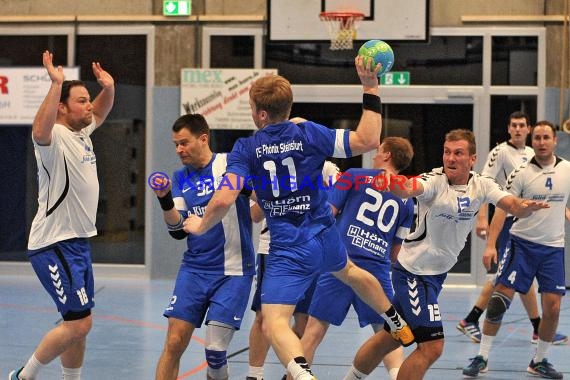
341 27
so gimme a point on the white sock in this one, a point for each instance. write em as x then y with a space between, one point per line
354 374
541 350
485 345
71 373
255 372
31 369
393 373
298 372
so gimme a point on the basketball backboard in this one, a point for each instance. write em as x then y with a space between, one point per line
391 20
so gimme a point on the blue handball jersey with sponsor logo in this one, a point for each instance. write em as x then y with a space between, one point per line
284 163
369 220
227 247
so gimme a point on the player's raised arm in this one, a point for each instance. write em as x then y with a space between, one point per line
367 134
47 113
104 101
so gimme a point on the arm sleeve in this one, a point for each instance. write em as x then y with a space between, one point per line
407 220
238 159
338 194
330 142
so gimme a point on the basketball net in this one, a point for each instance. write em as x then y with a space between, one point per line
341 27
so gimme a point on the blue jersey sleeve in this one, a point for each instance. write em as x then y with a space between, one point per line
339 193
330 142
407 220
239 158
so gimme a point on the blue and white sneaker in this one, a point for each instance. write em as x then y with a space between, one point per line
472 330
477 365
556 341
543 369
14 374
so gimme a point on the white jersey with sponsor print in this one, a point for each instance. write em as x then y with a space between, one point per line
505 158
549 184
446 215
68 187
330 172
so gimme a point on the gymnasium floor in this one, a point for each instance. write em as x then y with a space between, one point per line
129 331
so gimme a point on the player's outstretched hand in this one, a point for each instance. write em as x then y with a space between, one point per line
368 75
104 79
55 74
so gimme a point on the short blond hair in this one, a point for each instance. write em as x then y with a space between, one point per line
273 94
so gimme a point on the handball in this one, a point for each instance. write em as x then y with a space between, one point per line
380 52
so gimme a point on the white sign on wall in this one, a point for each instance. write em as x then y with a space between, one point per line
22 90
220 95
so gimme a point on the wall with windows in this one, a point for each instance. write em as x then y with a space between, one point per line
468 75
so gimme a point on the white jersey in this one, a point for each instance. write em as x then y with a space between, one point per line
549 184
330 172
68 187
505 158
446 215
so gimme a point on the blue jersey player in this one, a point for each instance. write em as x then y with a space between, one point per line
284 161
372 225
215 277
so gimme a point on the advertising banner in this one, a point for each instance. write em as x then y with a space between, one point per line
220 95
22 90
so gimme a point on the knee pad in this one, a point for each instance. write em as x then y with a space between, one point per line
498 305
218 337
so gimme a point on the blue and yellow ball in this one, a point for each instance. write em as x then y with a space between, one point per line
380 52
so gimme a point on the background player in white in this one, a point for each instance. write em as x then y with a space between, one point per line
373 226
536 250
214 280
501 161
285 161
67 206
258 344
448 200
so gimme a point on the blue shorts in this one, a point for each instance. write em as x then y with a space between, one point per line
416 299
66 272
302 305
291 270
213 297
525 260
332 298
504 237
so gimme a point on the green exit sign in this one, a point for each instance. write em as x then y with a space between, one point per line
396 78
176 7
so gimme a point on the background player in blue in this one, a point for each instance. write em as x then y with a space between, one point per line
372 225
448 200
536 250
284 160
215 277
67 207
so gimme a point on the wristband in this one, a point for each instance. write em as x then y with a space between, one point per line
372 103
166 202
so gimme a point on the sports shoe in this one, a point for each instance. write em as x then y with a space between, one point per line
477 365
404 335
543 369
557 340
470 329
14 374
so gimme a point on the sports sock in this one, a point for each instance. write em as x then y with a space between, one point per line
299 368
474 315
354 374
535 323
485 345
393 373
31 369
541 350
255 372
71 373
